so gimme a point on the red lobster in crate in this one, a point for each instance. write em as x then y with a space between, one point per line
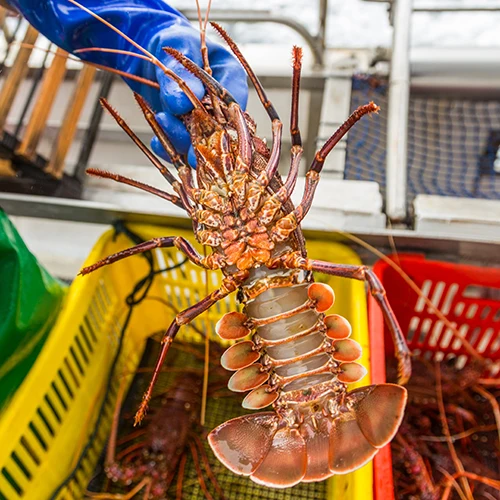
296 358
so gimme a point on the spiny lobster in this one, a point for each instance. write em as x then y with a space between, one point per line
147 460
297 359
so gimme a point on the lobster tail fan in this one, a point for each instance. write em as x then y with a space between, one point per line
242 443
379 413
286 462
349 449
278 456
253 446
317 438
373 420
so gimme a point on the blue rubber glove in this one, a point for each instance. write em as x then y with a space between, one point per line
154 25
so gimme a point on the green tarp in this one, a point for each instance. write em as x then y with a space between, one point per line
30 300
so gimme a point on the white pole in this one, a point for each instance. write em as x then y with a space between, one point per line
397 127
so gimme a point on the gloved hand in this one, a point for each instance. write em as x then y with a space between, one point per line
153 24
225 68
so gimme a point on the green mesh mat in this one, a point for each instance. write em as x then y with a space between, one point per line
219 409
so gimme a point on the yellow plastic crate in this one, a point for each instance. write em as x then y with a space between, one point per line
49 421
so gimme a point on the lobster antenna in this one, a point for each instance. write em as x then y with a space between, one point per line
209 6
150 57
204 55
203 35
294 118
124 74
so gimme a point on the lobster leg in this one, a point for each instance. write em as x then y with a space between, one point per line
275 203
180 477
199 472
290 222
129 437
185 188
229 285
151 157
139 185
120 496
111 451
153 123
130 449
165 242
206 464
363 273
178 187
271 111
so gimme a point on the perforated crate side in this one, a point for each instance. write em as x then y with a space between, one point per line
469 297
48 422
49 419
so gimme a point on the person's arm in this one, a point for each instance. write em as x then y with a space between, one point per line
154 25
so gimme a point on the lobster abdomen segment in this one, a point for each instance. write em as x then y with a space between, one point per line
334 439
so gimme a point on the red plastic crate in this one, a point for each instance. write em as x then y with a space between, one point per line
469 296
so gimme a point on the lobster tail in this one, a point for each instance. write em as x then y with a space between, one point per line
242 443
286 462
265 447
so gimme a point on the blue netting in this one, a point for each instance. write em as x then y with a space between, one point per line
452 143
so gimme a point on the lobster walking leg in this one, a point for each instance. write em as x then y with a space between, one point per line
199 473
290 222
176 159
159 132
111 450
145 483
229 285
165 242
274 204
151 157
180 478
137 184
363 273
206 464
